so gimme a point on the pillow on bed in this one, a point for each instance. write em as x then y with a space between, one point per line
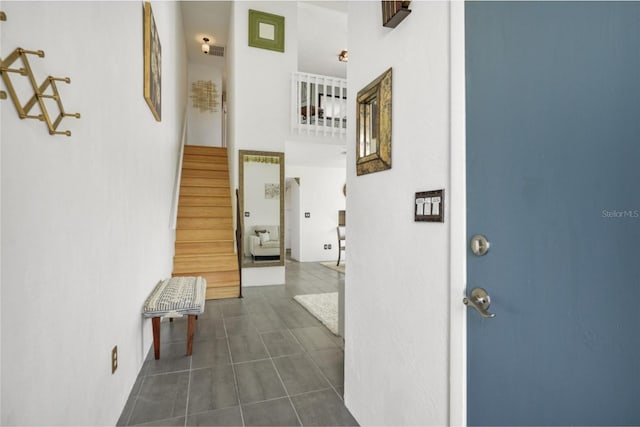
264 237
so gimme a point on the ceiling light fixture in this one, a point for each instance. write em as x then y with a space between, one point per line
205 45
344 56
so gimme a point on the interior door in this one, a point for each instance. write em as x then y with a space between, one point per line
553 181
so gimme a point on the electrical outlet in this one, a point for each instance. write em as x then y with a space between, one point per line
114 359
329 246
325 246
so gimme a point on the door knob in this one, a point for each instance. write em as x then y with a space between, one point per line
480 300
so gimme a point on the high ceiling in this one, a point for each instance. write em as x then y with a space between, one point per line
322 32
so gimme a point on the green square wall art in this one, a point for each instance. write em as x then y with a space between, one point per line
266 30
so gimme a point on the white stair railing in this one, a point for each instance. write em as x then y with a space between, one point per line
318 105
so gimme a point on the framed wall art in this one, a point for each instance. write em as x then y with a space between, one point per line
152 64
272 191
373 126
266 31
394 12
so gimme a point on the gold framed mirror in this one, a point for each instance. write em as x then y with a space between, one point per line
261 179
373 126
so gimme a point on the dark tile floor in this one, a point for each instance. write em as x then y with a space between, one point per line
262 360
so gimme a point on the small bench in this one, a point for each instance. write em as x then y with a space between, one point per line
175 297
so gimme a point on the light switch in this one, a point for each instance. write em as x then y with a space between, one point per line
420 206
435 206
429 206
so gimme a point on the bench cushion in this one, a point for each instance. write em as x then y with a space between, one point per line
176 297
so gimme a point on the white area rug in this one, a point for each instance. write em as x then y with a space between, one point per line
332 265
323 306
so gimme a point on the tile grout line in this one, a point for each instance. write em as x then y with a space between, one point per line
318 366
306 352
262 302
281 381
135 399
271 399
186 409
233 369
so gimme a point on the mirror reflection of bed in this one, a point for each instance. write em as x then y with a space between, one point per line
261 198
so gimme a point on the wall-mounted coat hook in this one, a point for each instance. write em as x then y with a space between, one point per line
3 17
39 91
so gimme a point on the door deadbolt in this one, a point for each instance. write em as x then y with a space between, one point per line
480 245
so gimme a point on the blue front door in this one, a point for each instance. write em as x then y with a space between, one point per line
553 181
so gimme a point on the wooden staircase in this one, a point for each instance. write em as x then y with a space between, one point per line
204 234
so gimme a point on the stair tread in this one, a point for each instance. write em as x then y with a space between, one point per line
204 191
205 173
202 272
205 149
205 158
189 200
205 224
204 211
206 241
187 250
223 293
195 165
227 255
204 182
204 244
204 236
220 276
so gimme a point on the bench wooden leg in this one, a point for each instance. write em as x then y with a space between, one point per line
190 331
156 337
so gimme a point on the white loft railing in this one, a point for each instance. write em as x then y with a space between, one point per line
318 105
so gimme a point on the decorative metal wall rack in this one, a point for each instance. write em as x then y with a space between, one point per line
3 17
48 89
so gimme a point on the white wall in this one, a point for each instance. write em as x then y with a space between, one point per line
1 145
232 152
258 89
85 219
205 128
397 282
295 219
326 30
320 194
287 214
